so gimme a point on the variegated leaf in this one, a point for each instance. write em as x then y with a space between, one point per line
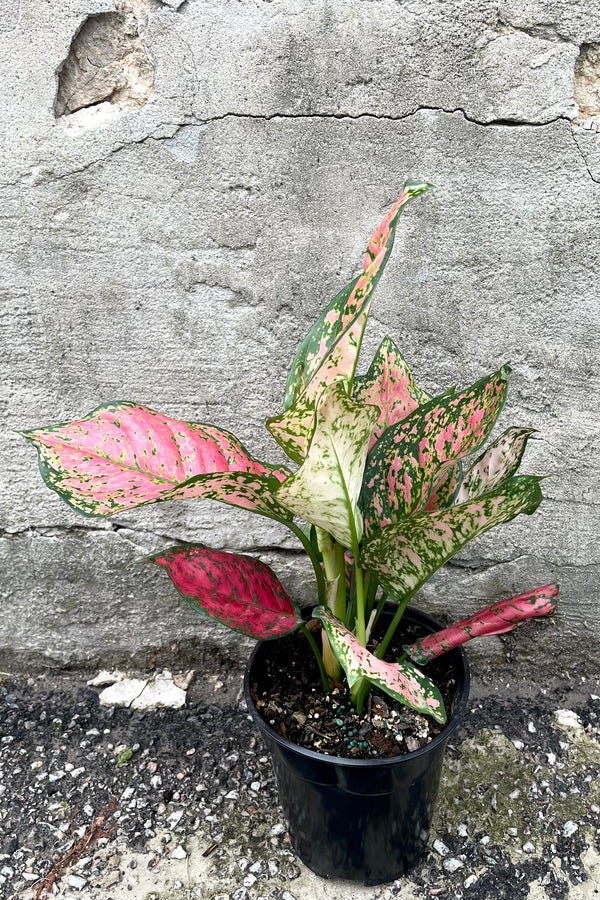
501 460
325 489
405 555
402 465
496 619
330 351
256 493
237 590
403 681
388 384
446 484
123 455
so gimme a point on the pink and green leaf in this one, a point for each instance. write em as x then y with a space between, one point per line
446 485
500 461
405 555
123 455
497 619
236 590
388 384
403 681
401 467
330 351
325 489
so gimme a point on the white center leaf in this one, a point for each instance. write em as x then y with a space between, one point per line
325 489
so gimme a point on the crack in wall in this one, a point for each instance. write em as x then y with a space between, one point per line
187 121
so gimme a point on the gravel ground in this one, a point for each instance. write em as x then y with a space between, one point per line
181 804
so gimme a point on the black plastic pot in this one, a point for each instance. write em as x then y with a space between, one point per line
366 820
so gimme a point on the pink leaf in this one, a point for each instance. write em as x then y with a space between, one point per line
123 455
388 384
402 681
496 619
237 590
402 466
330 350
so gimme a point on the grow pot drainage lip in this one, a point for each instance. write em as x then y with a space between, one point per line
459 707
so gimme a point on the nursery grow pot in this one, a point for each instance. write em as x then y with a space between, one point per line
362 819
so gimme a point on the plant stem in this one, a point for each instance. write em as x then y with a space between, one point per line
379 653
360 605
313 558
319 658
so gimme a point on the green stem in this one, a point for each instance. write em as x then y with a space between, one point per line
314 559
380 606
360 605
379 653
319 658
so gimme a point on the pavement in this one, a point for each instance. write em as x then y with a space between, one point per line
101 802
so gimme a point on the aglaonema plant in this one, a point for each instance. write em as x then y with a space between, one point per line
381 481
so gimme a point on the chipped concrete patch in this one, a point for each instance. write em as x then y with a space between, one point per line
159 691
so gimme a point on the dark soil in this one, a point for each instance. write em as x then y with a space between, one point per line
289 696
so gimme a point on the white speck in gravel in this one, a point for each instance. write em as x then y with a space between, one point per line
531 728
76 881
273 868
570 828
7 871
179 853
56 776
277 830
518 745
441 848
255 786
462 831
529 847
29 876
75 773
249 880
177 885
256 868
174 818
240 894
452 864
287 896
127 793
470 881
232 795
485 839
156 781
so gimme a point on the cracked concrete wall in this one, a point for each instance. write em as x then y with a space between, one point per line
175 253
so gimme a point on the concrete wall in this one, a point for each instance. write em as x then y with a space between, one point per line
171 242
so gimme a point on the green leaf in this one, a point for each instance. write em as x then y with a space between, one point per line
325 489
500 461
388 384
330 351
401 467
405 555
403 681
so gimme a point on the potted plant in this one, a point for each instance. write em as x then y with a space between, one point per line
382 487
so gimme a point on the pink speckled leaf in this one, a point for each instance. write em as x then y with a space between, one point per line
403 681
237 590
330 350
401 467
123 455
500 461
388 384
446 484
405 555
496 619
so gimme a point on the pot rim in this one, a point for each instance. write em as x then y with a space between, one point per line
459 706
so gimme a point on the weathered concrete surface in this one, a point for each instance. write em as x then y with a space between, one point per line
176 254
